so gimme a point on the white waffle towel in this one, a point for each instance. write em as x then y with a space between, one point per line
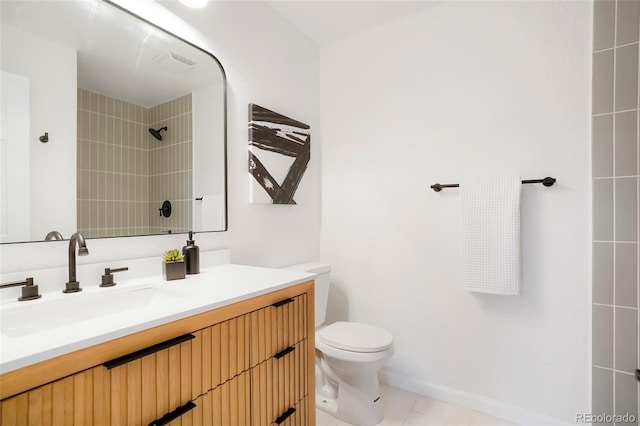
491 235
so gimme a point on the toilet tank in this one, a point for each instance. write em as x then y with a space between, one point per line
321 288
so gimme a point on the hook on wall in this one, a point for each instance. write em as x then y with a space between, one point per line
44 138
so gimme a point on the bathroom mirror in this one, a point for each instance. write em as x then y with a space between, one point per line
106 121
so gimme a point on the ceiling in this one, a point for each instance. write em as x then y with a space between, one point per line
326 21
118 55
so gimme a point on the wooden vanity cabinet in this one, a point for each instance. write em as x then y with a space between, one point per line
250 364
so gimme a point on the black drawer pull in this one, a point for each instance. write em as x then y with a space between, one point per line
282 302
167 418
284 352
285 415
147 351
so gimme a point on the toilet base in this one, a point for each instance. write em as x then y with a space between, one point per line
359 398
328 405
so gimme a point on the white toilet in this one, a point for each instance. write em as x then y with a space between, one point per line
348 357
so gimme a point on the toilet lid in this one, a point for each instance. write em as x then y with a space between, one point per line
355 337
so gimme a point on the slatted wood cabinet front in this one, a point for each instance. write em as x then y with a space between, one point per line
252 369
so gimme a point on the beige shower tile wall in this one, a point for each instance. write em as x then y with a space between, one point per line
170 165
616 192
113 166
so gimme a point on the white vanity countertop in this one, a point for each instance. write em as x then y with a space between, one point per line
59 323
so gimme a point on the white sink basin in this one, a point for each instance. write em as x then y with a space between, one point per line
32 317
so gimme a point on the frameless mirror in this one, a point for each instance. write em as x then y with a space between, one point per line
109 125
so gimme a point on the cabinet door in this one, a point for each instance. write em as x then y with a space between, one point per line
279 383
226 405
81 399
148 386
277 327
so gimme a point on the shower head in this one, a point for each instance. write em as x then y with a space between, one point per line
156 133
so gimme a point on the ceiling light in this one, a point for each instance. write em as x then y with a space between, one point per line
196 4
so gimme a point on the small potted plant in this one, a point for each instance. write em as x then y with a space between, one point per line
173 267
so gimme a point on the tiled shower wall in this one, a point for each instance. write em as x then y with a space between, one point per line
113 167
124 173
170 166
615 208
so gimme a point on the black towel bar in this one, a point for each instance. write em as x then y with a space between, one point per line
548 181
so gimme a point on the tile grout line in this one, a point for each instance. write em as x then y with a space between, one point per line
611 369
638 221
616 306
638 224
601 114
614 46
615 51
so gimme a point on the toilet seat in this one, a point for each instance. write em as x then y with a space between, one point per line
355 337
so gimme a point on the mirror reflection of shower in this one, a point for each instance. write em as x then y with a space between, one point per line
156 133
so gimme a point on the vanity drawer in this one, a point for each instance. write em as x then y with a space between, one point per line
228 404
223 352
278 383
147 387
277 327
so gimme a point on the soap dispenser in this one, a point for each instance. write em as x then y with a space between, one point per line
191 254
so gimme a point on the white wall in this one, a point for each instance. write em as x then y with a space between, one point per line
51 70
14 158
248 38
464 89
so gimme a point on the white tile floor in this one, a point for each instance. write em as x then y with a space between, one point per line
407 409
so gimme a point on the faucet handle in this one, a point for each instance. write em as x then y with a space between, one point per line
29 290
107 278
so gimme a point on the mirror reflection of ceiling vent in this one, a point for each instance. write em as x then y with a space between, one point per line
173 62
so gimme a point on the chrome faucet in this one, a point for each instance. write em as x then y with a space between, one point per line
72 286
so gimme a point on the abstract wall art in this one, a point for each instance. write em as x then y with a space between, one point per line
279 152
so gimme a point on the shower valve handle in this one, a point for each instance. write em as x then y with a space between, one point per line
165 210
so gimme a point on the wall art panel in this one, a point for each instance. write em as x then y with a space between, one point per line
279 152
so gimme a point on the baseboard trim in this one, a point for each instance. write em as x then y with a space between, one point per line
492 407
